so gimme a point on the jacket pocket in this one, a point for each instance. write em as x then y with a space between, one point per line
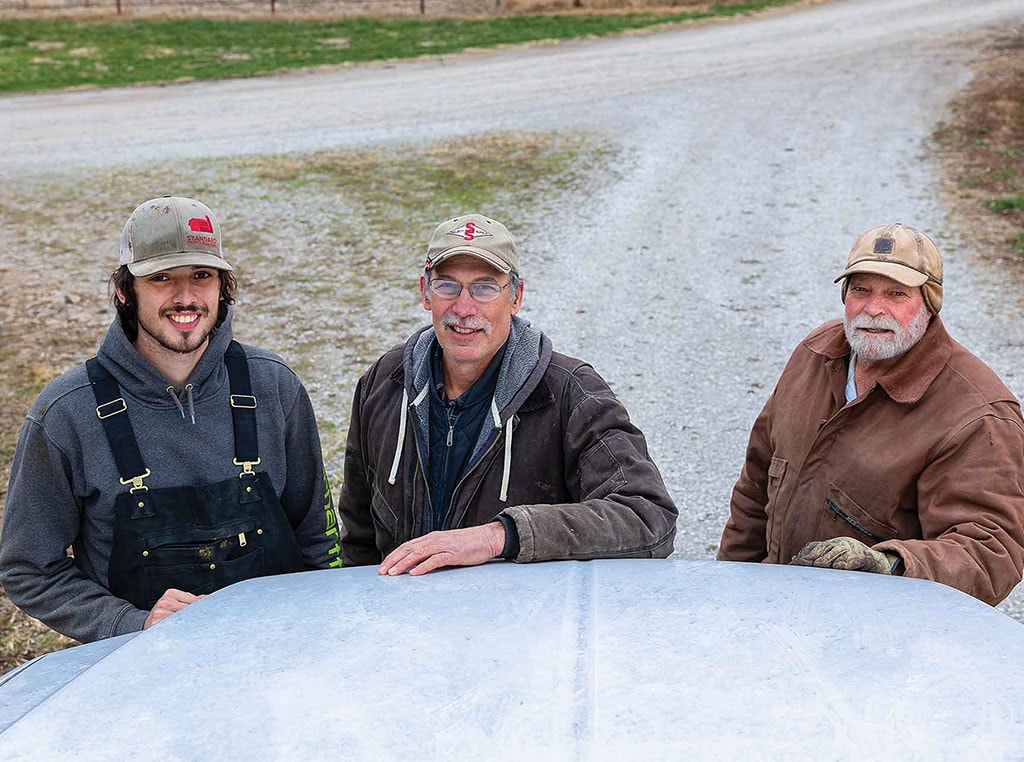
383 515
599 471
847 509
776 473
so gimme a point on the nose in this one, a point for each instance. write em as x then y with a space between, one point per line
876 305
184 294
464 303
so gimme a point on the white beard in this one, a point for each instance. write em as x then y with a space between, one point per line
873 347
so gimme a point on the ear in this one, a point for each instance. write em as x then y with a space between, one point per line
425 300
120 295
518 301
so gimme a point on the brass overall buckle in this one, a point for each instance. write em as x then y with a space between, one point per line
136 482
246 466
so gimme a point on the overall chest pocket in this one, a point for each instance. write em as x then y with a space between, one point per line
202 545
203 578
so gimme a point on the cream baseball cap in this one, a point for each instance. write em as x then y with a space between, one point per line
168 232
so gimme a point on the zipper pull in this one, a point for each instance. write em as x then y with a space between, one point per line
241 539
451 433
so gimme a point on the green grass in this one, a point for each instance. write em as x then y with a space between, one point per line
1011 203
41 54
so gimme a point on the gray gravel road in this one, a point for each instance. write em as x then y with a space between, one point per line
757 151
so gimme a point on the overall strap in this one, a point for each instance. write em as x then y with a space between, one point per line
112 412
243 408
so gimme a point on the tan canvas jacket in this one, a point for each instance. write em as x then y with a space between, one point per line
927 464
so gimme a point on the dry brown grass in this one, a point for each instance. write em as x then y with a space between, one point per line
982 149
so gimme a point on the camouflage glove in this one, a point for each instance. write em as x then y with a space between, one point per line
846 553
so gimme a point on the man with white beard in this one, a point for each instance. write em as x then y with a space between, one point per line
886 446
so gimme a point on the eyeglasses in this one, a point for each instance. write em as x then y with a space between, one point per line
481 292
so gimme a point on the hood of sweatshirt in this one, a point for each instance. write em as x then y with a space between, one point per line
527 354
139 378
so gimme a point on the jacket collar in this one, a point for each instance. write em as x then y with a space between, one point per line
909 378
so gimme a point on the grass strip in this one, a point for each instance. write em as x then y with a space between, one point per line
39 54
1012 203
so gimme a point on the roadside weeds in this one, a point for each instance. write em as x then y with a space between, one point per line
981 147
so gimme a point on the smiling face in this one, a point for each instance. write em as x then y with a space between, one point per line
470 332
177 310
884 318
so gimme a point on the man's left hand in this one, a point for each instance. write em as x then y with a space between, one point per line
456 547
845 553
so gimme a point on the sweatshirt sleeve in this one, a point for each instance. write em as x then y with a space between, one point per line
623 508
41 521
745 535
307 492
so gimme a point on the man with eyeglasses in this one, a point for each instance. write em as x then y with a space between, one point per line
886 447
475 440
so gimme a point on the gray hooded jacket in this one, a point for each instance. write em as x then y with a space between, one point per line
64 480
558 455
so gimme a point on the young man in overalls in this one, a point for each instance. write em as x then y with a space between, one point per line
175 462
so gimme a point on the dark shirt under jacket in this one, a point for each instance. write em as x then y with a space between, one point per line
454 428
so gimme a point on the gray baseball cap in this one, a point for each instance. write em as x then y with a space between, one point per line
168 232
477 236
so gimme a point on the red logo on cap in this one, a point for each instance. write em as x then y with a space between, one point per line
201 225
469 232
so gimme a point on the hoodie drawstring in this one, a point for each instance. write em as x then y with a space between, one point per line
177 402
191 407
170 391
401 429
507 464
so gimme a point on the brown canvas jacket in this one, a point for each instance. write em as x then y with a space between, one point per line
927 464
580 483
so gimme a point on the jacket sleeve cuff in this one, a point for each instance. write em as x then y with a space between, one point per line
511 549
130 619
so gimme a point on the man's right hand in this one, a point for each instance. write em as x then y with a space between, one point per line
172 600
845 553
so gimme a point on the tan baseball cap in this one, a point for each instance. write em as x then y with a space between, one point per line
171 231
902 253
478 236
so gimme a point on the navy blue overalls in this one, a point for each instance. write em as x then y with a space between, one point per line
194 538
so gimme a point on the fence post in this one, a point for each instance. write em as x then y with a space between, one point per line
118 7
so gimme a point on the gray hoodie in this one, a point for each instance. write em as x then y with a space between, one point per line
64 480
